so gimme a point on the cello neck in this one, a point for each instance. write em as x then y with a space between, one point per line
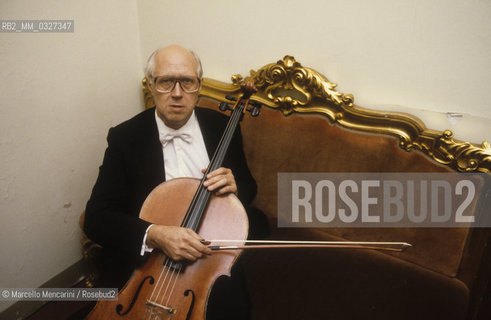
195 213
196 210
217 160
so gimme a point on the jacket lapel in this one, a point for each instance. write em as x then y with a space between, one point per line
209 129
149 150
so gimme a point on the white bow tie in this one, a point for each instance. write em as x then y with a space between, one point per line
166 138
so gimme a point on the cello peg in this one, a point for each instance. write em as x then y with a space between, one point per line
224 106
255 109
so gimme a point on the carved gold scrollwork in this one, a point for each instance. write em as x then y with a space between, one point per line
463 156
289 85
460 156
147 95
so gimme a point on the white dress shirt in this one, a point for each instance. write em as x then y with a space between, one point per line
184 153
184 149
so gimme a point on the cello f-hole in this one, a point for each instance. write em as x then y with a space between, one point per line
119 307
191 307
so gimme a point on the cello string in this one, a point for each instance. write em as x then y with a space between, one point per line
173 286
199 194
203 194
226 138
199 201
166 267
194 219
198 204
174 275
157 285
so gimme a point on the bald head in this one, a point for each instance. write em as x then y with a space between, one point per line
172 53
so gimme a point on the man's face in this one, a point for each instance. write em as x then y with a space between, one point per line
175 107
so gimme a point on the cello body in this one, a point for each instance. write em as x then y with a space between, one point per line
164 289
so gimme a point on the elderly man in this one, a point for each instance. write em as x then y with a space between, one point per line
140 156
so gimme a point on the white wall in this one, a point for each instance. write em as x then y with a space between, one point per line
59 95
409 55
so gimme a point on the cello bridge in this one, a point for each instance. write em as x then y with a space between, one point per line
170 310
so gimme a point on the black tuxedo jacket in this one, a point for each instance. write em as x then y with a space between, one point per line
133 166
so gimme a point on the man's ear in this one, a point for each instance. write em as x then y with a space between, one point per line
149 83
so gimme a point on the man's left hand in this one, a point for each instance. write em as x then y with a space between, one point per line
221 180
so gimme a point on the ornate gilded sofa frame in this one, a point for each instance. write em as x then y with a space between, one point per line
289 87
461 273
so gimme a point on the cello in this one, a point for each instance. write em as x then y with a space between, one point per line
166 289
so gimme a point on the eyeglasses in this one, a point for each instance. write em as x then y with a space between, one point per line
166 85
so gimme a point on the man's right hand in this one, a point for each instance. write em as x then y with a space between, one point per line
176 242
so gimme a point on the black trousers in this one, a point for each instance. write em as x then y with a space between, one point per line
229 298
